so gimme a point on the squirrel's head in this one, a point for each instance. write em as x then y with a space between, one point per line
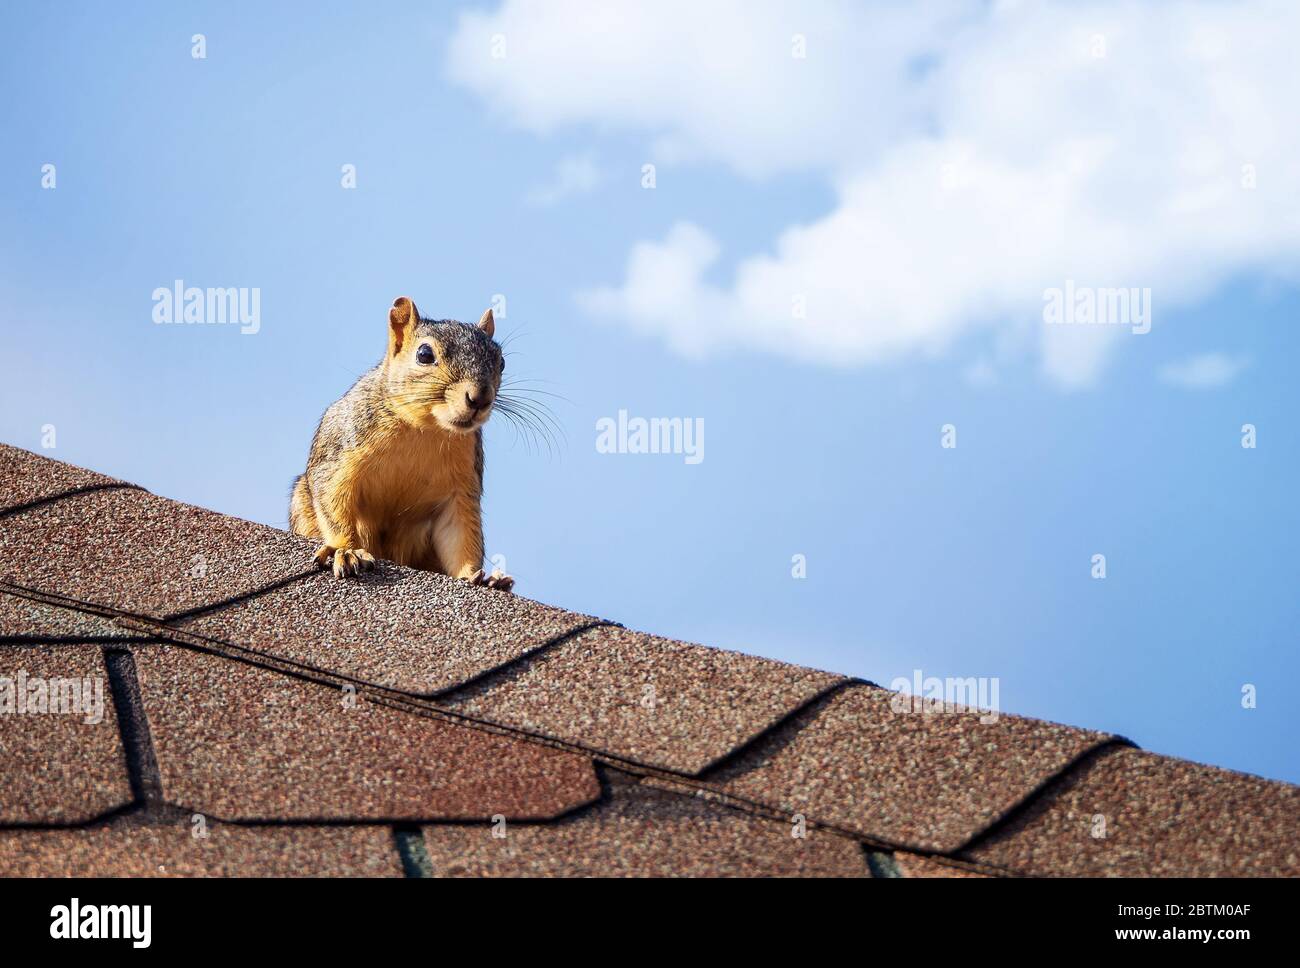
441 372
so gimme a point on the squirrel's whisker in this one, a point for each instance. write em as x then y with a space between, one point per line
543 422
530 428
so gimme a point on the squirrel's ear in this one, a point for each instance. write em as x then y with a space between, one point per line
401 318
487 323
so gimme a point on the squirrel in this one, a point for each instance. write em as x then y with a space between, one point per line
396 465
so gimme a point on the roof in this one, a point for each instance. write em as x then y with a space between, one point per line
262 718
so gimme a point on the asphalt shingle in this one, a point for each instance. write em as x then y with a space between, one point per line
1130 813
26 477
63 763
412 631
312 773
242 743
643 831
930 781
130 849
144 555
23 618
913 865
644 699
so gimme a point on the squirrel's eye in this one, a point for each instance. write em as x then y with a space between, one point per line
424 355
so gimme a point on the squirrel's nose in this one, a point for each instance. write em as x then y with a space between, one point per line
478 398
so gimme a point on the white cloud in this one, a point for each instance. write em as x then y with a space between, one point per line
1204 372
574 175
979 157
713 80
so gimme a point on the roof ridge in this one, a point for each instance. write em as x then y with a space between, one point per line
74 492
750 735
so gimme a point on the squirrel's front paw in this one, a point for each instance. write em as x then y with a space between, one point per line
498 580
347 561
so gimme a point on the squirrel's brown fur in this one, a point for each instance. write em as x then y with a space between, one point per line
396 466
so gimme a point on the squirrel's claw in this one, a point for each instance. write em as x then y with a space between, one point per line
352 561
498 580
347 561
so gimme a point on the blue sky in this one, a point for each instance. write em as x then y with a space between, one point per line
920 184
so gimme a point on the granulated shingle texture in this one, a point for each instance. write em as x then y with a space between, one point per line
642 698
171 850
134 552
26 477
408 630
58 768
22 618
913 865
642 831
1160 817
927 781
242 743
317 776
